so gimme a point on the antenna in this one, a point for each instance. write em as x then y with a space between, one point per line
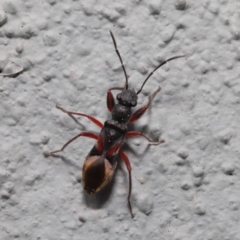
161 64
118 53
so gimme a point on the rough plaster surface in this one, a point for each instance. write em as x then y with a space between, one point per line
186 188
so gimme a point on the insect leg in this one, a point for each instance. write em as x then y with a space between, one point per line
82 134
142 110
128 165
139 134
94 120
110 98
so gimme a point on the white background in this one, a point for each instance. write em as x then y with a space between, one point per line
186 188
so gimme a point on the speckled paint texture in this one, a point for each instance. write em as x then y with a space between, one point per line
186 188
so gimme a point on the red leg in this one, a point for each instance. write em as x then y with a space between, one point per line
110 98
94 120
128 165
143 109
139 134
82 134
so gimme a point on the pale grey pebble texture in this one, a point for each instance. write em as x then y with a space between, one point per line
185 188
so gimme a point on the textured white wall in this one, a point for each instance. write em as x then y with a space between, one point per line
187 188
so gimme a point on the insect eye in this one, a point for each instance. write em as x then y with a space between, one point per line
119 96
133 103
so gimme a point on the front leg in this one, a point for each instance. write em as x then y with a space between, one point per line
138 114
110 98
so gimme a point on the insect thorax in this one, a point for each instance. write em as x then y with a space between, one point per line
121 113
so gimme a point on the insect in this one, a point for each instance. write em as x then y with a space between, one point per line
101 162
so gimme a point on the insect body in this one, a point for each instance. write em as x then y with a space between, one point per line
101 162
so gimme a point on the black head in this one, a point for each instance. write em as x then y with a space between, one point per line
128 98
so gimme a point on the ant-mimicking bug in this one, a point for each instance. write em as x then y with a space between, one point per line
101 162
